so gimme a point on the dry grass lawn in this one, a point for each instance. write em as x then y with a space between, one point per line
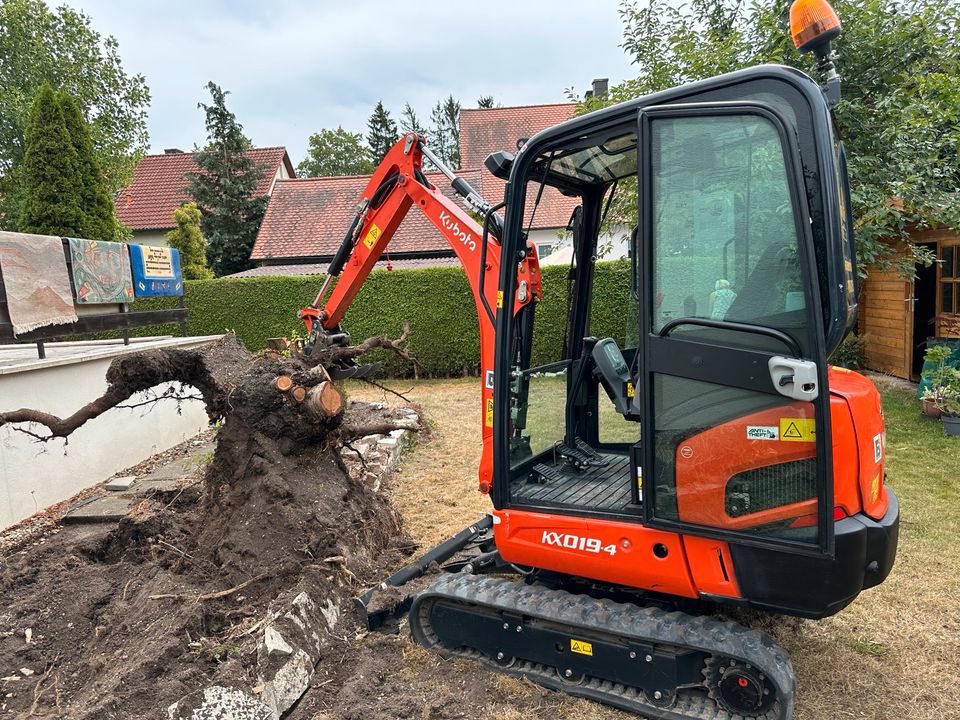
895 653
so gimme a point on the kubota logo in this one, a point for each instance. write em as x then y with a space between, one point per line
454 227
577 542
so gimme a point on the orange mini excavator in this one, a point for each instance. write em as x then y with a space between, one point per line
709 456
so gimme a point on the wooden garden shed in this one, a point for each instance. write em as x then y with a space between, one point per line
898 314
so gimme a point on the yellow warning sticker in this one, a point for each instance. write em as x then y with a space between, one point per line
875 488
488 420
372 235
499 298
581 646
798 430
630 390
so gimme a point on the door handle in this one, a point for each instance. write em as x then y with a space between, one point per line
796 379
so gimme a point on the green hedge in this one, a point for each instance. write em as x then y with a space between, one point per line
437 303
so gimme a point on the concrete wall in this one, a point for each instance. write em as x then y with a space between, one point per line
35 475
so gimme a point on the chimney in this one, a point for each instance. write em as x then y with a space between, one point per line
178 151
588 94
600 87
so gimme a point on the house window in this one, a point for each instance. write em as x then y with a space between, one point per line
544 249
949 278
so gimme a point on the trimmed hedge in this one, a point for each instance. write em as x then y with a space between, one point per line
437 303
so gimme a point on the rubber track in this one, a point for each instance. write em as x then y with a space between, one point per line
648 624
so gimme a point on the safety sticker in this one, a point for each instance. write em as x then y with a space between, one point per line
798 430
499 298
488 379
488 420
581 646
372 235
630 390
875 488
878 448
763 432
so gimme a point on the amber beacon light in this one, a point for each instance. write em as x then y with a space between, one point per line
813 24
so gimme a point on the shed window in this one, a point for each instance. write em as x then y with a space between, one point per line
949 278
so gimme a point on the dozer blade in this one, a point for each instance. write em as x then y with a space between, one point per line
469 547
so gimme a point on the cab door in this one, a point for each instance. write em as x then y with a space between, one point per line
735 403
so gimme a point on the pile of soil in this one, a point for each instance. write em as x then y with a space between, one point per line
131 620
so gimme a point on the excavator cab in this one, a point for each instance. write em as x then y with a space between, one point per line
708 450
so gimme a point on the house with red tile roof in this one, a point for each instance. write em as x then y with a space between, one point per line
307 217
146 205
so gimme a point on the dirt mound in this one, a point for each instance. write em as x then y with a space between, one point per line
199 588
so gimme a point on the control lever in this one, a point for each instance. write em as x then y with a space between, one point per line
614 373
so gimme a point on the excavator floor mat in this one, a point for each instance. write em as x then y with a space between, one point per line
598 488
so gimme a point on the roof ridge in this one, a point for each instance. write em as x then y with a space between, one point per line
190 152
518 107
319 178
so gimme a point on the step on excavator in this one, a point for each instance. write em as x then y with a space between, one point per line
711 457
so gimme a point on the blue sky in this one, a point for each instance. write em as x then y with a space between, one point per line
294 66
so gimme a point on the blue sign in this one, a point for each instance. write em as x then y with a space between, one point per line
156 271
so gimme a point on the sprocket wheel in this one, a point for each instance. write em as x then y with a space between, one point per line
740 688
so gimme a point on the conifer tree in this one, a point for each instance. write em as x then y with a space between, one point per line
381 132
409 122
97 218
445 135
188 239
51 200
224 188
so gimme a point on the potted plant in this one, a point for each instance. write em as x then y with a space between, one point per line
935 378
949 406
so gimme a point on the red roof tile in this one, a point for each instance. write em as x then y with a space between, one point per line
157 188
483 131
308 217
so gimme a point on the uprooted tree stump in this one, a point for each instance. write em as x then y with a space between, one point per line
263 560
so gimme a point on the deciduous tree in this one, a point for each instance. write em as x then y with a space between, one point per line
59 46
49 174
224 188
336 152
899 116
188 239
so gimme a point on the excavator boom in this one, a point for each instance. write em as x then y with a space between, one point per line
397 185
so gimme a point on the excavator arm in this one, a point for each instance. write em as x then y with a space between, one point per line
396 185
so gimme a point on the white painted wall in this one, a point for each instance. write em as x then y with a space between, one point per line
614 242
157 238
36 475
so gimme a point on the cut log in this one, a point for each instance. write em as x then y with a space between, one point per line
324 401
298 393
283 383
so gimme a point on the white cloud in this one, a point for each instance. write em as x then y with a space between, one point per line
295 66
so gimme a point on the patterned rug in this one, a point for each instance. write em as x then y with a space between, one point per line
36 281
101 271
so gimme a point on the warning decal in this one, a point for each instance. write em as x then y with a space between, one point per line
371 237
488 420
798 430
763 432
581 646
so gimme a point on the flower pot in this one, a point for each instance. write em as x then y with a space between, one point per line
930 409
951 425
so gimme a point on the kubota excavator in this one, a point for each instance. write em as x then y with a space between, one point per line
724 462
